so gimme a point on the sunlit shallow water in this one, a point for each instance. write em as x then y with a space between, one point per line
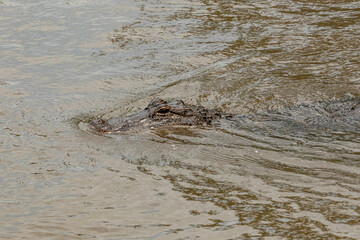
65 62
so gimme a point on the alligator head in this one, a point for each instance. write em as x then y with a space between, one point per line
159 113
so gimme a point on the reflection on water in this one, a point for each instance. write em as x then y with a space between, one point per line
65 62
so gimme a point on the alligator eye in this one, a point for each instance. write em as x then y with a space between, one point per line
163 110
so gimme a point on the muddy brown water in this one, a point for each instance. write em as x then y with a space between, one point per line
65 62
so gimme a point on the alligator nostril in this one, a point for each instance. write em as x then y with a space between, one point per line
100 121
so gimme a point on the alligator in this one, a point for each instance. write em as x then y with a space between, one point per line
161 113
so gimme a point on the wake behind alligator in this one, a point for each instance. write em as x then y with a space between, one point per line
342 114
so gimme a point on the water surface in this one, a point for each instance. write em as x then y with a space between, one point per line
65 62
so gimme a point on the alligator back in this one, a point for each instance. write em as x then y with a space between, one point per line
335 114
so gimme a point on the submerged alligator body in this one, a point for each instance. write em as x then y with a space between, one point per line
161 113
